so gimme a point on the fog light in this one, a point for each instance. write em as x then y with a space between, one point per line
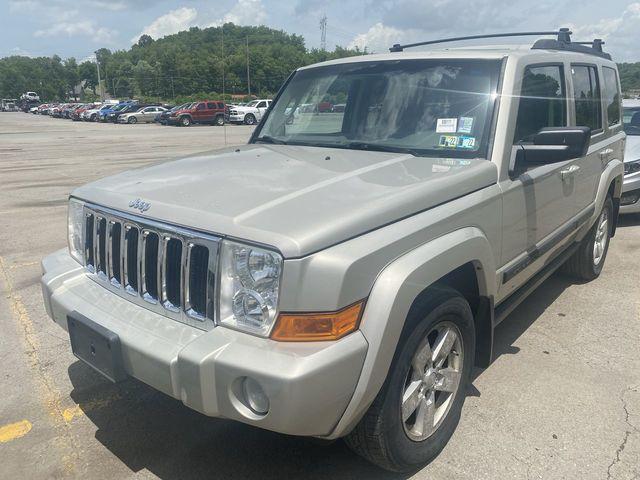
255 396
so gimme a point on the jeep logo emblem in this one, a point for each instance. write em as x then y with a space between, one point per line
140 204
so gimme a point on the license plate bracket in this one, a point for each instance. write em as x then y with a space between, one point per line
96 346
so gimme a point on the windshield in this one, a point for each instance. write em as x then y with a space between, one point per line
424 107
631 120
253 104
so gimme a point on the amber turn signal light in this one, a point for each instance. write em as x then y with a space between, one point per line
317 327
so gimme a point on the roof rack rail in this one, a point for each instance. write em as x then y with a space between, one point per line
563 35
561 42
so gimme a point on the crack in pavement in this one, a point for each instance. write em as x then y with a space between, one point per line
627 433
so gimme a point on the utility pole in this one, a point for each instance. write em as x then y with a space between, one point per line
224 100
248 77
323 33
173 91
99 81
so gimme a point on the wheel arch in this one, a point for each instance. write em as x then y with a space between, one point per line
461 259
610 185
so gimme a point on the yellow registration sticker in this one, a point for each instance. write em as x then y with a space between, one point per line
448 141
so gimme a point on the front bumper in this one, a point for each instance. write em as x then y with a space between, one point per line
309 385
630 192
236 118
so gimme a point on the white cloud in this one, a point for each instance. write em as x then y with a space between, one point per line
246 12
78 28
379 38
169 23
620 33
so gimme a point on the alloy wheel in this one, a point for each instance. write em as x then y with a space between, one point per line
602 237
432 381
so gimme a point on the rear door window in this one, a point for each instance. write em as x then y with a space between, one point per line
586 96
611 94
542 101
211 106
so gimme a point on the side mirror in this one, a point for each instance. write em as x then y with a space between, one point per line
555 144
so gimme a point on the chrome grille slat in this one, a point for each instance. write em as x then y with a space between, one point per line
120 240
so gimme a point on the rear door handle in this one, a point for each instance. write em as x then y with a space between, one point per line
568 172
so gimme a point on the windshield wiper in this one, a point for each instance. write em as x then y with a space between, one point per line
376 147
270 139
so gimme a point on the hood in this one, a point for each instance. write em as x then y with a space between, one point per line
632 148
297 199
243 108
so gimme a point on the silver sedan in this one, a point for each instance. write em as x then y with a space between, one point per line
144 115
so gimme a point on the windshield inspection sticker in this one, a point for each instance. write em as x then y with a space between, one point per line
466 142
448 141
447 125
465 124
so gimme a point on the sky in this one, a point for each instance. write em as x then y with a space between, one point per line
76 28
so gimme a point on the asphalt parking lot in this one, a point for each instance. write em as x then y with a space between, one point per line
561 400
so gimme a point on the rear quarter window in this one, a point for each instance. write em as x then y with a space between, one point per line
611 96
586 96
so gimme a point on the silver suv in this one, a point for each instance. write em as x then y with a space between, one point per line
341 274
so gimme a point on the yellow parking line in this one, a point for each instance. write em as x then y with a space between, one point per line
45 385
68 414
14 430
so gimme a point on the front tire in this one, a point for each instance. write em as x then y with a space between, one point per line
185 121
418 408
587 262
132 120
249 119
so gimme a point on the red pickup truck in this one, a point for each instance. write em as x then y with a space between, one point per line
206 111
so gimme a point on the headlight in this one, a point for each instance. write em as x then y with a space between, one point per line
249 286
76 229
631 167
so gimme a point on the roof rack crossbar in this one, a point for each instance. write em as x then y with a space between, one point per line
563 36
596 44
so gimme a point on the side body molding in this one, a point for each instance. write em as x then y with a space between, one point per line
392 295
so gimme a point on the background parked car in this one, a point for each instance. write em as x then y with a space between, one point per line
143 115
128 108
103 115
207 111
30 96
249 114
161 118
630 200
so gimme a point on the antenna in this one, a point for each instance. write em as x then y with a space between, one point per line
323 33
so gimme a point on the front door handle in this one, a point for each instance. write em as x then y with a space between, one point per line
605 153
568 172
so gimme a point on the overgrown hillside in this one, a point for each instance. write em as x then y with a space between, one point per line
177 66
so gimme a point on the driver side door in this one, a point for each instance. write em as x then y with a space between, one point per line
538 200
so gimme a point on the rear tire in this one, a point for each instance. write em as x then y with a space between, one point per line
219 121
397 433
587 262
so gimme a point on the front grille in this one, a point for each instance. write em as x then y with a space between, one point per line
166 269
